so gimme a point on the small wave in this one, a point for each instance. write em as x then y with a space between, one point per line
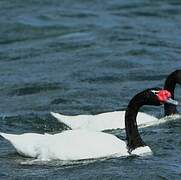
41 21
64 164
60 101
103 79
34 89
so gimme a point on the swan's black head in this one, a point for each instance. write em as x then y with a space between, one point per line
152 96
155 96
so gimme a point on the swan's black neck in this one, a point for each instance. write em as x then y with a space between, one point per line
132 135
170 84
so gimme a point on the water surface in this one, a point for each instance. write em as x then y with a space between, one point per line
87 57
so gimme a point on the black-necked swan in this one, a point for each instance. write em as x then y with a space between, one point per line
115 119
84 144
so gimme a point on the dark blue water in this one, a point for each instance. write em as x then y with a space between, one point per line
87 57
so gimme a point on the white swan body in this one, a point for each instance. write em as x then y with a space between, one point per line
71 145
103 121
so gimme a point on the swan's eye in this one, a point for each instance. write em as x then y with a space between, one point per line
155 92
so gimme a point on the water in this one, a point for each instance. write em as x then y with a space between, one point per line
86 57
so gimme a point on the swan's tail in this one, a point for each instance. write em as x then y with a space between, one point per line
25 144
73 122
12 138
9 137
62 118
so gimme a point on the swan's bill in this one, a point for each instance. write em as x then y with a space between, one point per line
172 101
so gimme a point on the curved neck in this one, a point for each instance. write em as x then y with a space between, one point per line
132 135
170 84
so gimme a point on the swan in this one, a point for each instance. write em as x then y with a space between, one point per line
86 144
115 119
